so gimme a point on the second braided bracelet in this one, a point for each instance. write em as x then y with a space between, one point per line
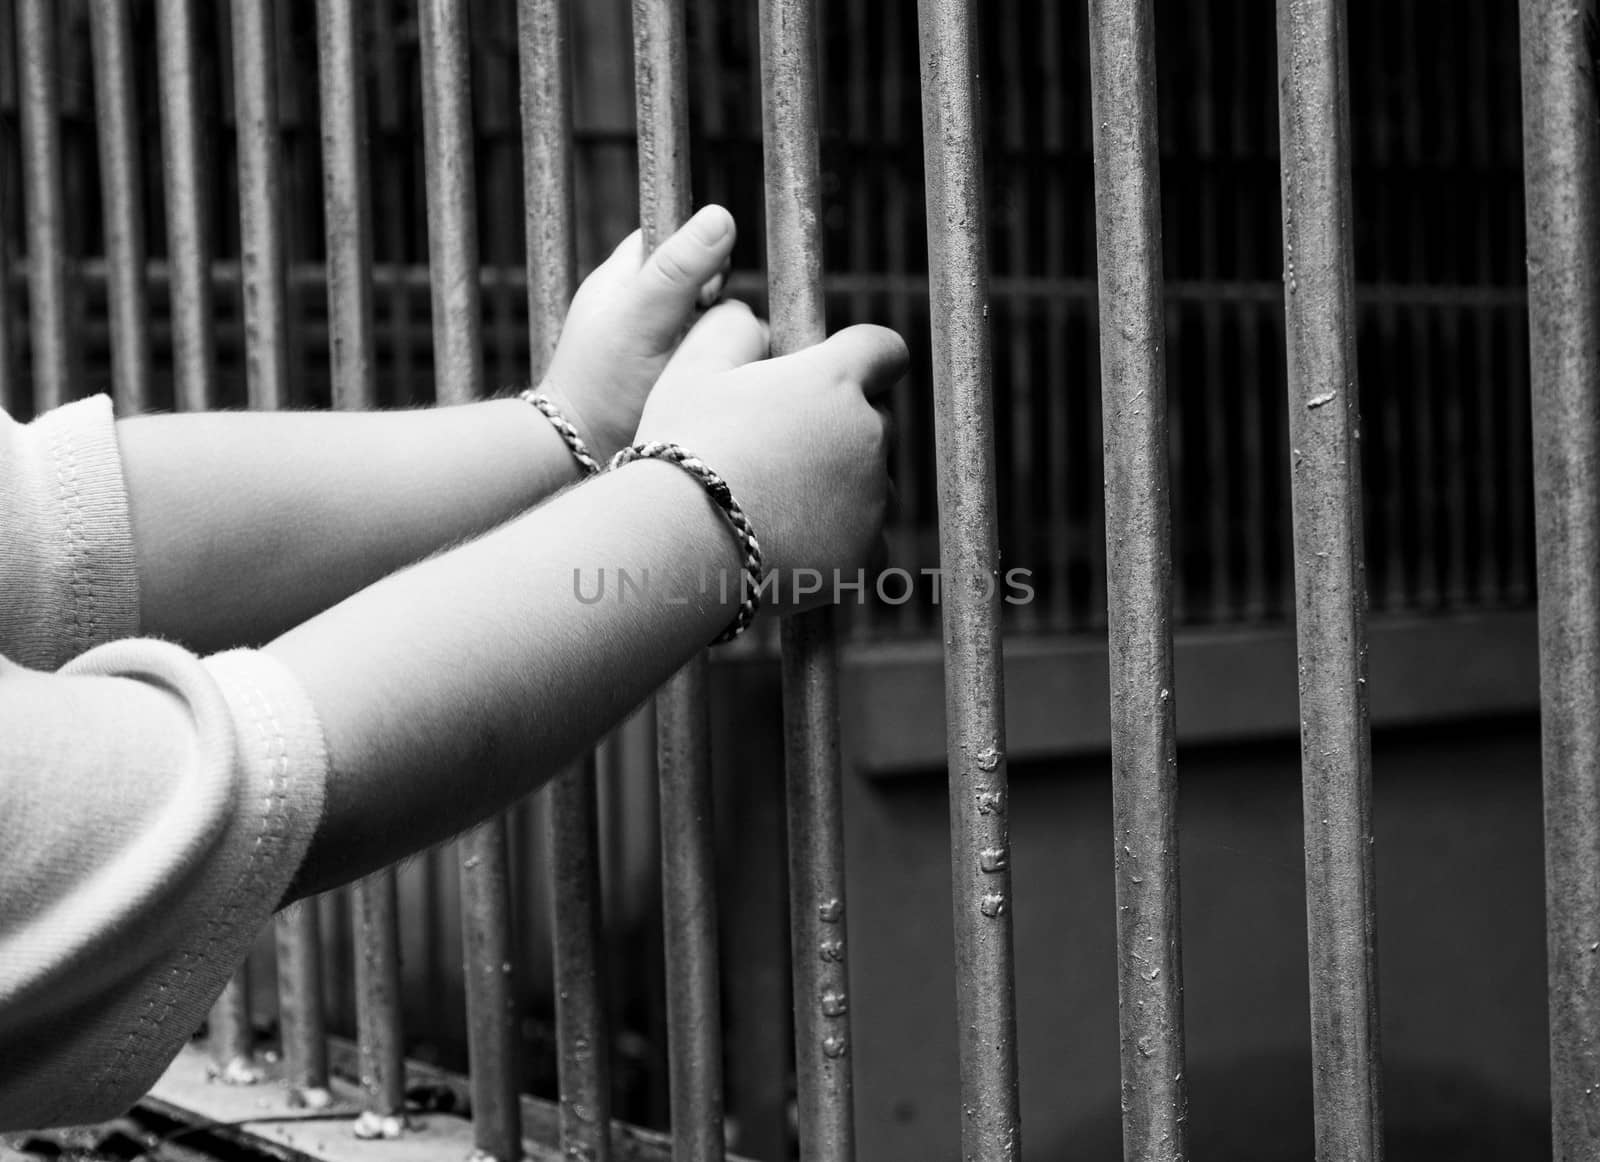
722 496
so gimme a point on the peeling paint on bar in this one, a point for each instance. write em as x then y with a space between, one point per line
823 1061
688 858
1562 176
1330 578
458 373
122 196
1139 579
44 204
958 276
583 1034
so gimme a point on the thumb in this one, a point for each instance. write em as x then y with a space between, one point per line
874 357
666 288
727 336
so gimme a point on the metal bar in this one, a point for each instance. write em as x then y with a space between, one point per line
1139 579
45 204
458 370
300 1005
348 219
188 231
122 195
791 132
958 274
688 858
261 235
1330 580
1561 173
583 1035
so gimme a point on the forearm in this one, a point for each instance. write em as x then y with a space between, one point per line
451 689
245 524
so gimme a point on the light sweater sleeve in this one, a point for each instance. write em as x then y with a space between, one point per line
154 809
68 577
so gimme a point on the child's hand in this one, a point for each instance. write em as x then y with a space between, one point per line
624 323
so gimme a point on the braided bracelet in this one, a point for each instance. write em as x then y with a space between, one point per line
716 488
580 450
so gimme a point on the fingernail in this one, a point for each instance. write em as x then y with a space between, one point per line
711 224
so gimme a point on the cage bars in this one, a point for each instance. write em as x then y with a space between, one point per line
459 378
122 199
823 1050
583 1038
958 275
1561 172
1139 578
44 203
1330 581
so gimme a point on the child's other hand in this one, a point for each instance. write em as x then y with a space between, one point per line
624 323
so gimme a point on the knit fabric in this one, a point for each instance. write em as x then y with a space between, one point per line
154 806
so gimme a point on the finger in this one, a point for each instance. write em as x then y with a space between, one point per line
871 356
711 294
727 336
668 284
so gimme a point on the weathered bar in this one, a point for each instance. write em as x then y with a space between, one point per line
1133 384
188 231
789 50
458 372
122 197
958 277
44 204
348 224
1562 181
1330 579
583 1035
688 858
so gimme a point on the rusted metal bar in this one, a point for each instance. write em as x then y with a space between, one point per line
1562 175
583 1035
688 858
958 276
348 219
1144 772
261 235
44 203
300 1005
122 196
458 370
188 231
1330 579
823 1070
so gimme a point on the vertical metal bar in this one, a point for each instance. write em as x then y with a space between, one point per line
263 265
45 203
583 1036
188 231
458 371
789 51
1139 578
122 194
263 251
1562 170
374 900
1330 580
688 863
958 278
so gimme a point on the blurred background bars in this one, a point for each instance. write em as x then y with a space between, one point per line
450 169
817 913
1330 578
1139 580
1563 169
583 1028
969 555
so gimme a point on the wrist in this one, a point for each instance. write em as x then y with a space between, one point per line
601 437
